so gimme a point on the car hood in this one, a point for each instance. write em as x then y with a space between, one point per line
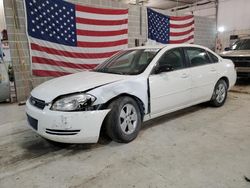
74 83
236 53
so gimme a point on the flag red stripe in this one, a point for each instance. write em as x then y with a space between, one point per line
181 18
175 34
73 54
101 10
49 73
101 33
182 40
102 44
42 60
181 25
101 22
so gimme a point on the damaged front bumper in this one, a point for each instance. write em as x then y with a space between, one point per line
66 127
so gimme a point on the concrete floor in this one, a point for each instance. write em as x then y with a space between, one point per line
193 148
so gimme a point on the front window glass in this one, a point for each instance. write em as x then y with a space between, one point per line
172 58
128 62
243 44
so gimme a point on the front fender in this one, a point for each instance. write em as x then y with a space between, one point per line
134 86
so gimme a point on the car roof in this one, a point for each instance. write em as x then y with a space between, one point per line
161 46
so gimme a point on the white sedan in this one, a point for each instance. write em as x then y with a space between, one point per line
133 86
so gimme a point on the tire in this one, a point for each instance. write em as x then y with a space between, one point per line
123 122
220 94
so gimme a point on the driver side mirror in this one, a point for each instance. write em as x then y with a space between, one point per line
227 49
163 68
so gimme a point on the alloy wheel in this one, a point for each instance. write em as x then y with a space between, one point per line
128 119
220 93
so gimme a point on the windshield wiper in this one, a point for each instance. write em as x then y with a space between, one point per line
114 72
100 70
105 70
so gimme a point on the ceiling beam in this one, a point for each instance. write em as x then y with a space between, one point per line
179 1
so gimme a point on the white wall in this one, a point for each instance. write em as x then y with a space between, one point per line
209 12
234 14
2 20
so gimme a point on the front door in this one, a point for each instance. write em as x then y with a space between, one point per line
170 91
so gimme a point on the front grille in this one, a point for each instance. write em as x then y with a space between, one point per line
33 122
240 61
37 102
62 132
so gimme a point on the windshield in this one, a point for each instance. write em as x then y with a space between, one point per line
243 44
128 62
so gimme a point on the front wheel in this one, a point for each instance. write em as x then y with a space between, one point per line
123 122
220 94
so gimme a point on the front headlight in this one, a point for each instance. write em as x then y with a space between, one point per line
73 102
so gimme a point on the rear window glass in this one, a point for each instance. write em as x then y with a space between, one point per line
213 57
197 56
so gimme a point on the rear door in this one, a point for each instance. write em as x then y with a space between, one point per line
170 90
204 73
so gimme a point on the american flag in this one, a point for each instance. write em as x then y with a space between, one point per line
170 29
67 38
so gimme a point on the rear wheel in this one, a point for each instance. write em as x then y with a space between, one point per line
220 94
123 122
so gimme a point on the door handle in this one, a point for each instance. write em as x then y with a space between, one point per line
212 69
184 75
